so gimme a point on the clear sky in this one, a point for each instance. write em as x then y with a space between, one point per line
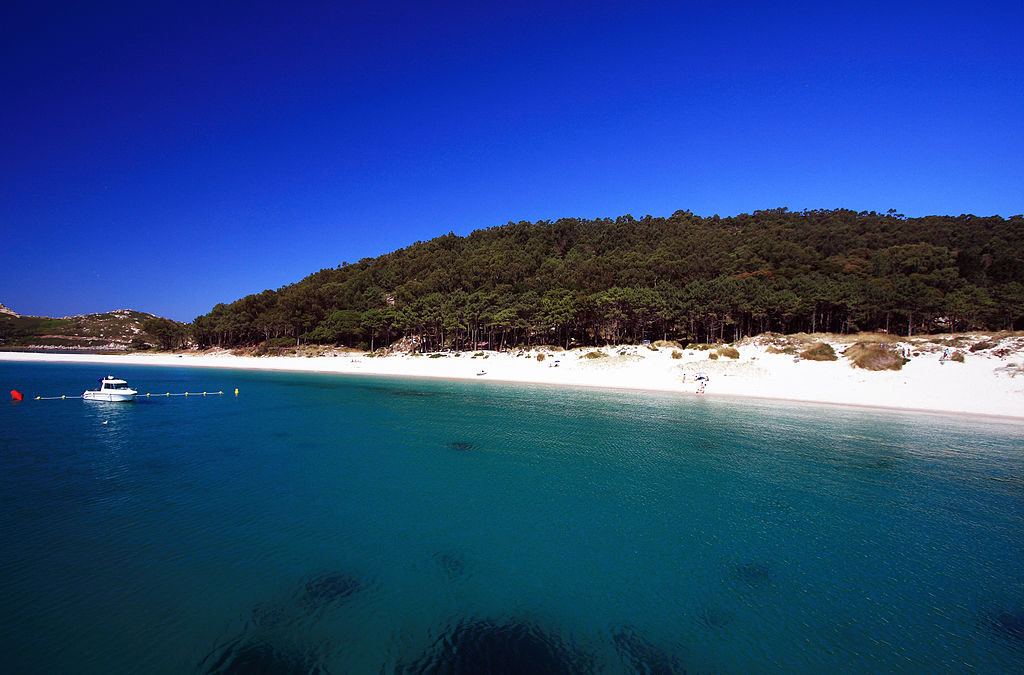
167 156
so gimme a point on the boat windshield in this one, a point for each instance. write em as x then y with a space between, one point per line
116 385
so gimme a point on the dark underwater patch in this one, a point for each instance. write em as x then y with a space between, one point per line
331 588
270 615
461 446
474 647
643 657
247 657
452 563
754 575
713 617
411 393
1006 623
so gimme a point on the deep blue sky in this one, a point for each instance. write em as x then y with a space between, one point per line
169 156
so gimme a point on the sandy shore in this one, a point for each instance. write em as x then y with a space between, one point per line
985 383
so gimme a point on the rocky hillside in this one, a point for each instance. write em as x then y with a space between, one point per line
119 330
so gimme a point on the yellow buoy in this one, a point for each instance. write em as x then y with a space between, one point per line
236 391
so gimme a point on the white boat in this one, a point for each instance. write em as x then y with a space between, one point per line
111 389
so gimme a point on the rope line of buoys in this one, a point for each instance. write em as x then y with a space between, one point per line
149 395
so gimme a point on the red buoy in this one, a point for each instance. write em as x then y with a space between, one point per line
16 395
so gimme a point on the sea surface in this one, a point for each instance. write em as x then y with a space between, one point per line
341 524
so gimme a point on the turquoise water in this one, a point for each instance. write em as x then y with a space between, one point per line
364 525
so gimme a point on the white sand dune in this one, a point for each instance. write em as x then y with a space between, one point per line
985 383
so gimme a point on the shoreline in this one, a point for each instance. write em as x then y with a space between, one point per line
983 385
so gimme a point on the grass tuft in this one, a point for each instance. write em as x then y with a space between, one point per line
874 357
819 351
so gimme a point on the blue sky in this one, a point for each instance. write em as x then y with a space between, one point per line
169 156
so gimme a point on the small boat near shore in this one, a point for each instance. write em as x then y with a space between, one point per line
111 389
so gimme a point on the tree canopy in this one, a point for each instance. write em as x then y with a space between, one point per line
576 281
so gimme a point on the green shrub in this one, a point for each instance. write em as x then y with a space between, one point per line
436 356
278 343
595 355
819 351
676 354
958 357
984 344
782 350
702 346
713 355
540 357
276 346
729 352
874 357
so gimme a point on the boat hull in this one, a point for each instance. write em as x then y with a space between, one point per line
110 397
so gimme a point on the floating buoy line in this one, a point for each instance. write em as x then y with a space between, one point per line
18 396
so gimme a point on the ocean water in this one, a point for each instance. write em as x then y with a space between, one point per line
320 523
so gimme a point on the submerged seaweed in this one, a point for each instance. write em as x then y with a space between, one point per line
411 392
1006 623
488 647
754 575
268 615
257 656
452 563
328 589
641 656
882 463
461 446
713 617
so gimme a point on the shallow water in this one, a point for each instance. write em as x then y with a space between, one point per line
336 524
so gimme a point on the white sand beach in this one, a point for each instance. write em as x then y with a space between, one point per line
985 382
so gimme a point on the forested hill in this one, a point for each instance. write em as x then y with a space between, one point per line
683 277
